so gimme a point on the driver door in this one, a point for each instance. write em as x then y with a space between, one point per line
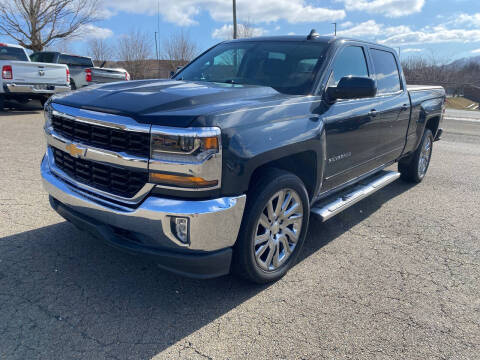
351 125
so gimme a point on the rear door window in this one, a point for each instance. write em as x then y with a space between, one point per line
386 72
350 62
12 53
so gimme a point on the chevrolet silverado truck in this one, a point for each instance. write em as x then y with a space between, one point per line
220 168
22 80
82 70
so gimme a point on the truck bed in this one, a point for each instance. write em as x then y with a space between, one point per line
424 87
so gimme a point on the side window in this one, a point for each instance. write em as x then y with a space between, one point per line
386 72
350 62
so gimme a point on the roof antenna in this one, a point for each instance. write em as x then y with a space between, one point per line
313 35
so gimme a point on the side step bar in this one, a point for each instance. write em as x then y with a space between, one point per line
335 204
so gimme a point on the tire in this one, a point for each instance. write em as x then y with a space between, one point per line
414 168
2 103
273 238
72 85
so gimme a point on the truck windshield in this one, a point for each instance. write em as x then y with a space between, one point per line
288 67
12 53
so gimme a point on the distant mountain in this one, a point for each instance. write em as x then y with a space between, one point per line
465 61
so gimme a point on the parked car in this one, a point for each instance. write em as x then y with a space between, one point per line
23 80
220 168
82 70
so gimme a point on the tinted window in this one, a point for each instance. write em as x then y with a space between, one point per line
288 67
12 53
350 62
43 57
72 60
386 71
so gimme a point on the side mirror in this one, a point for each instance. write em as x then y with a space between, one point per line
172 73
351 87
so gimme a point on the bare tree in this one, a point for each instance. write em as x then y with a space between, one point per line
100 51
133 52
179 49
35 24
246 29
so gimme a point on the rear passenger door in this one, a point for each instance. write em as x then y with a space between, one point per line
392 107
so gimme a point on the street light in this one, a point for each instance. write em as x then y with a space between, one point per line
335 28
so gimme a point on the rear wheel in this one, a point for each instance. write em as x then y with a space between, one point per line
414 168
2 103
274 227
72 85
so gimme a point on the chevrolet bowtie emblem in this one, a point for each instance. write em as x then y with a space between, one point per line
75 151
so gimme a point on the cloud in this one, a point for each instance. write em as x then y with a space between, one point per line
370 29
90 31
389 8
476 51
434 35
404 35
411 50
346 24
226 31
183 12
472 20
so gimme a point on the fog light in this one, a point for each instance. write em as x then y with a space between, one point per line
180 228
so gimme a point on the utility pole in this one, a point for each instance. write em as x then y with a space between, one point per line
156 41
235 34
156 45
335 24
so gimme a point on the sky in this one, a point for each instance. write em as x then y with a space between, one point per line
448 29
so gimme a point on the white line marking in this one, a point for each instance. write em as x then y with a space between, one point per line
462 119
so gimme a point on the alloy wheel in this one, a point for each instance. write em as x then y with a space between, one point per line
278 229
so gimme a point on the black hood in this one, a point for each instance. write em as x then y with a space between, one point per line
167 102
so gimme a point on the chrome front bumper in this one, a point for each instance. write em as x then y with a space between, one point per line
34 89
214 224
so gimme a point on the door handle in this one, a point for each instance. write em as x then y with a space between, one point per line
373 113
405 107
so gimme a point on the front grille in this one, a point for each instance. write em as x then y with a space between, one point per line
134 143
114 180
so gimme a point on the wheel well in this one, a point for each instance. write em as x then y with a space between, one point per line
303 165
432 125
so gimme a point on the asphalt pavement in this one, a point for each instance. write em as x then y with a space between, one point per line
397 276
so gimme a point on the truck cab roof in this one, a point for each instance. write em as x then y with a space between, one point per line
298 38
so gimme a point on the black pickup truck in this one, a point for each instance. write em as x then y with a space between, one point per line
219 168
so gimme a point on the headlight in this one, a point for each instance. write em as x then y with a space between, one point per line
47 113
186 158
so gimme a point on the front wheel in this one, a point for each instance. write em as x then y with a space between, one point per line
414 168
274 227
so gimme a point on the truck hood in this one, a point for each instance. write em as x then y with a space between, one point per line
167 102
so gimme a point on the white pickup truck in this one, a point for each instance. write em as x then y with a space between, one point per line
23 80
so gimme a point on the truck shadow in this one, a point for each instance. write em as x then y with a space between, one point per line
17 108
63 287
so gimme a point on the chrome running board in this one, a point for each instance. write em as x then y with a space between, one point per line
336 203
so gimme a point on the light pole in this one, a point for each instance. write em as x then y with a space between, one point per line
335 24
235 34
